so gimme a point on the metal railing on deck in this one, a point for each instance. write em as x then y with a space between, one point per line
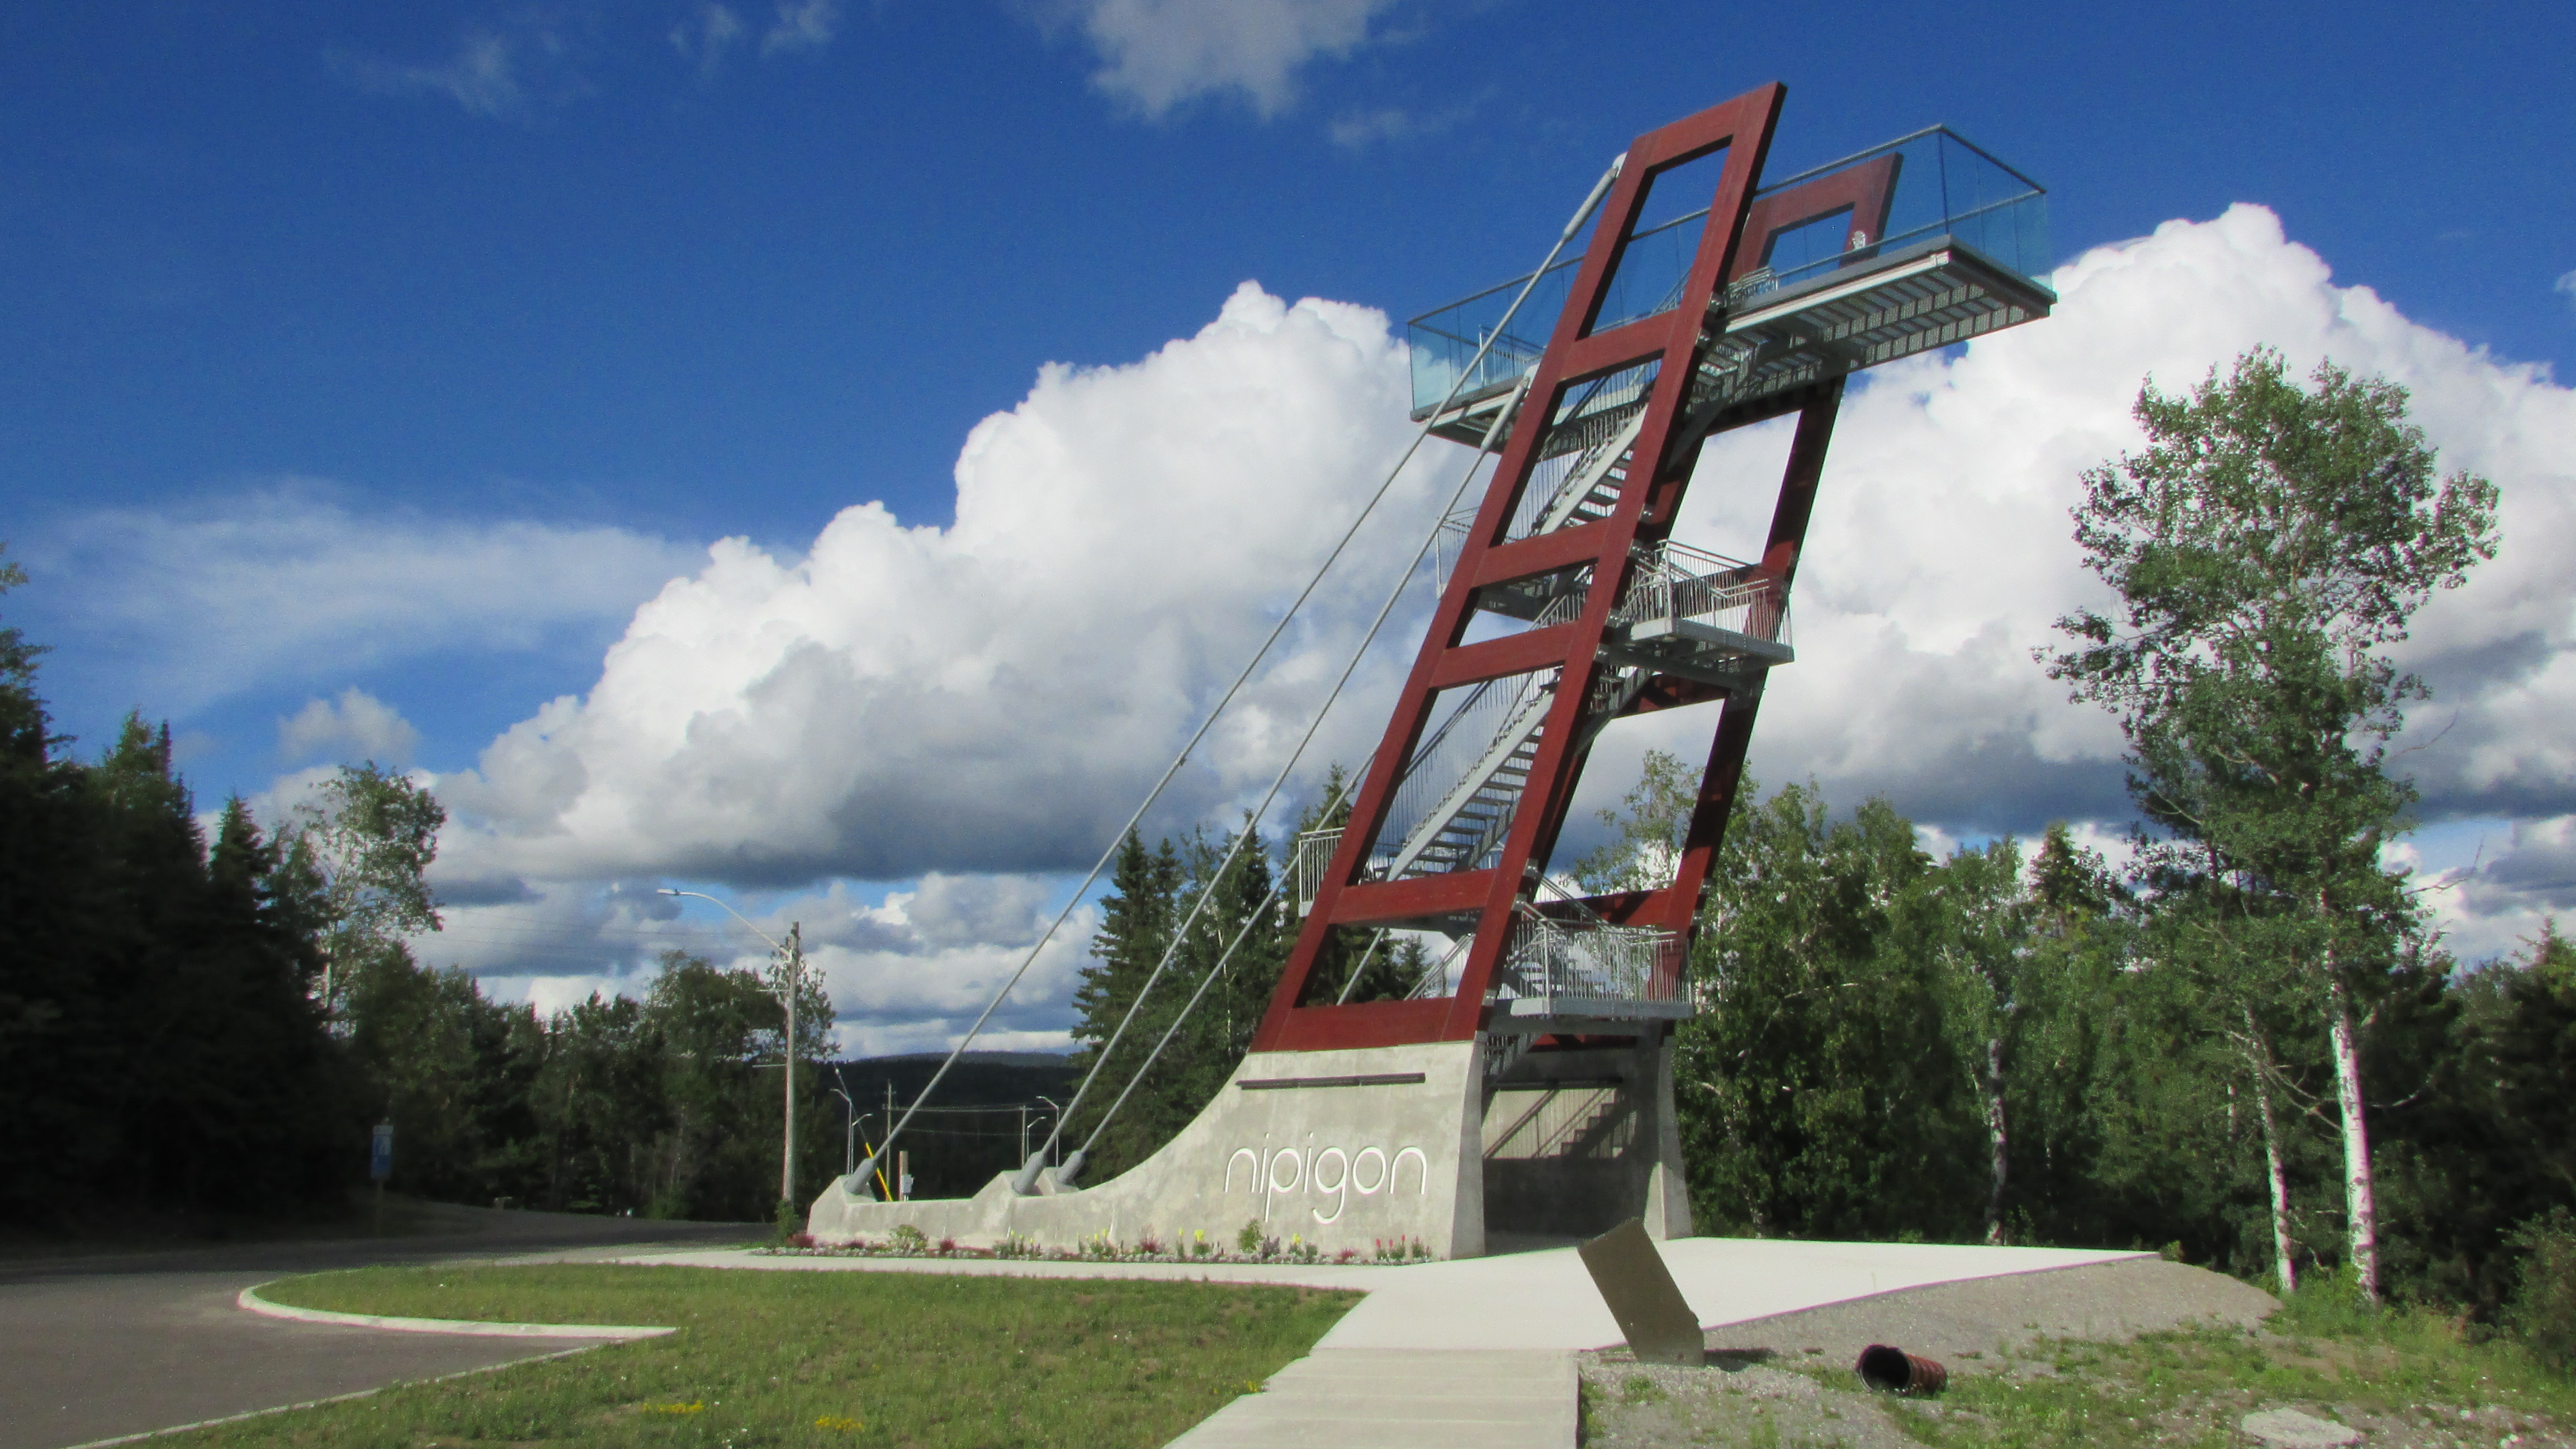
1314 857
1943 185
1674 581
1590 961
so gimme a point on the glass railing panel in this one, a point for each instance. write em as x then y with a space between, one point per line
1943 185
1651 270
1444 343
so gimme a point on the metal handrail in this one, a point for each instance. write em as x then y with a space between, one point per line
1590 960
1675 581
1313 858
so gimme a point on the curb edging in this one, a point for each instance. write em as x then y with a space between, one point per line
249 1300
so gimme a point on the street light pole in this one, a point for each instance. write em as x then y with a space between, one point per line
791 957
1059 1116
850 1131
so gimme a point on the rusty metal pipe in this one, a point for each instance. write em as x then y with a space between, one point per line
1899 1372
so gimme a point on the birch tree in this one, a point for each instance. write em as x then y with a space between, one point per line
2266 548
1973 921
357 855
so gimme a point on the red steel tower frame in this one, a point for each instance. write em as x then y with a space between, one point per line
1666 449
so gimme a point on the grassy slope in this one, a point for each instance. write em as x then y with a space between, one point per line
816 1358
2404 1375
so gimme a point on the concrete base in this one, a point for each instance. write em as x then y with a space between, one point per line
1351 1149
1578 1141
1339 1149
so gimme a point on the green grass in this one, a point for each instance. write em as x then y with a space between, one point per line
814 1359
2324 1353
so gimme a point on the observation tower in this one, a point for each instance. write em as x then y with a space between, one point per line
1523 1086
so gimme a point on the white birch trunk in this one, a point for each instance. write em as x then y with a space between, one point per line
1995 1135
2360 1201
2283 1249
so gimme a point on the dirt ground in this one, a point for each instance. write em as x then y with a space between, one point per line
1789 1380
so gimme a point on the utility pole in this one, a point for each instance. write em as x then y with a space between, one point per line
790 956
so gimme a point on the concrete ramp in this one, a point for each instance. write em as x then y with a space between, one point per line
1343 1150
1355 1149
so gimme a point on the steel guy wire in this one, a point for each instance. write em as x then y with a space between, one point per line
1493 434
1591 200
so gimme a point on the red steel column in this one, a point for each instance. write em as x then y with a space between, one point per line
1743 126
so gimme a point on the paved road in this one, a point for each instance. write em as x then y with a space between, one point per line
94 1348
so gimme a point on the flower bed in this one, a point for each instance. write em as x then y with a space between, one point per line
1250 1245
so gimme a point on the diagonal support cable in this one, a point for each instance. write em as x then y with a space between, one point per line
1027 1175
1582 213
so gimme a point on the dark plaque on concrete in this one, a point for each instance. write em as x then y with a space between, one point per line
1633 1280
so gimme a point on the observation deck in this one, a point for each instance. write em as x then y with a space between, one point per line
1964 244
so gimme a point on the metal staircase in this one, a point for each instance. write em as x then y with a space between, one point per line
1460 828
1591 490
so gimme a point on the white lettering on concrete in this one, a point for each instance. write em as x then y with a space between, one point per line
1296 1176
1338 1186
1366 1188
1416 1154
1330 1172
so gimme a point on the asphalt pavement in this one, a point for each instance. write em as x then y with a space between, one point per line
100 1347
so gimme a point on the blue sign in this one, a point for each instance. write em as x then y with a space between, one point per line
381 1165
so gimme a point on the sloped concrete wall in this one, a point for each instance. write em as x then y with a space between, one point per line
1289 1143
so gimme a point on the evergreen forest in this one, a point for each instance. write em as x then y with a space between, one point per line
202 1024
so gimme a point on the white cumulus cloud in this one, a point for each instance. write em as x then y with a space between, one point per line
990 699
909 972
356 726
1157 54
995 695
1940 552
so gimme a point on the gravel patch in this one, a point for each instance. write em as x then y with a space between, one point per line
1788 1379
2107 1303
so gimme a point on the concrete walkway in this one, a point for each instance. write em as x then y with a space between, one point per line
1414 1398
1532 1300
1480 1350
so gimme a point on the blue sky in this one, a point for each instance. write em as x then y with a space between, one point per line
313 305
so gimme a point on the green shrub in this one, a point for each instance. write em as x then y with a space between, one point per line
2329 1304
2543 1310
